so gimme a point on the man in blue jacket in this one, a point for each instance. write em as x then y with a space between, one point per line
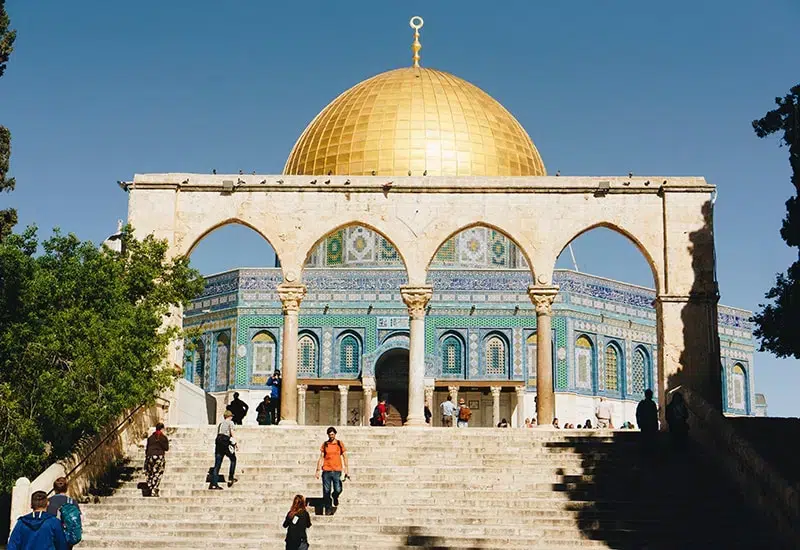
38 530
274 382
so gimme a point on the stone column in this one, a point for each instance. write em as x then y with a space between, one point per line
688 347
291 294
495 405
520 406
368 387
416 298
542 297
301 404
343 389
429 399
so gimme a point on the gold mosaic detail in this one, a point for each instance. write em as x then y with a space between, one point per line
416 120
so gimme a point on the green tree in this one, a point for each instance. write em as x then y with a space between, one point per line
8 216
81 339
778 323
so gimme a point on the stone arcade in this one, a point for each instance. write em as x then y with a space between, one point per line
416 233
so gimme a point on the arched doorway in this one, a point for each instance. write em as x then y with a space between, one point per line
391 379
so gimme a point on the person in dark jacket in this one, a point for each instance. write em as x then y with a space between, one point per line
38 530
274 382
54 504
239 409
678 419
296 523
647 419
155 461
264 412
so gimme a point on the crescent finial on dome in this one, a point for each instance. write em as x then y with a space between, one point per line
416 23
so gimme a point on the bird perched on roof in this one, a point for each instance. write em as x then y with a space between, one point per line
387 185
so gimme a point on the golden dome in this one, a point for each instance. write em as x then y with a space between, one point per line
415 119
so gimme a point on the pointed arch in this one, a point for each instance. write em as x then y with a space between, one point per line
382 248
196 239
640 372
612 367
584 362
648 255
452 352
491 254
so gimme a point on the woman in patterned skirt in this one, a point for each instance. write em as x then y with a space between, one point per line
157 446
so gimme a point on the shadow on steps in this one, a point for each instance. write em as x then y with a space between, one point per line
631 497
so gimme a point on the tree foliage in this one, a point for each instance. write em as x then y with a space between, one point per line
778 323
82 339
8 216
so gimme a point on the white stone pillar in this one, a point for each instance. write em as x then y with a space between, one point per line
542 297
416 298
520 406
368 387
291 294
343 389
301 403
495 404
453 391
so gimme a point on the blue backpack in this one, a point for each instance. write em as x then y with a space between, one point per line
70 516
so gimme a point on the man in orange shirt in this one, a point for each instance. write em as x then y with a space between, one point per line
332 462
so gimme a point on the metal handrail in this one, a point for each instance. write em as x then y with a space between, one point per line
108 436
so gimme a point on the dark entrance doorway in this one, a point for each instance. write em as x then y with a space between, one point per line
391 379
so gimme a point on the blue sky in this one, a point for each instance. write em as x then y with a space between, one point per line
97 91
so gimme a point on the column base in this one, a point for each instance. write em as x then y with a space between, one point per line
288 423
415 421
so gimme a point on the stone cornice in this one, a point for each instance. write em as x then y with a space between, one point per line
255 183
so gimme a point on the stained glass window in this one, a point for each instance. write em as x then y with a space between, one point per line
263 353
612 368
495 355
223 355
307 355
452 355
531 350
348 354
583 362
639 367
738 387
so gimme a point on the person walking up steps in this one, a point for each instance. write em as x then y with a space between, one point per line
332 462
154 462
296 523
67 510
38 530
464 414
224 445
448 410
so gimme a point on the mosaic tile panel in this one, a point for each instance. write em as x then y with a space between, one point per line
517 342
638 368
559 324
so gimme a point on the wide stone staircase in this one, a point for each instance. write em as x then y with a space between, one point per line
433 488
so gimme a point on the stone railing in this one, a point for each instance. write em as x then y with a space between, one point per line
764 488
92 458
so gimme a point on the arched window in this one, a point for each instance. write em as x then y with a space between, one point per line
452 355
583 362
223 358
738 391
349 355
612 368
263 354
307 355
495 356
530 343
640 365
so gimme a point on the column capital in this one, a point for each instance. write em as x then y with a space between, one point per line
343 389
428 395
416 298
495 390
520 390
368 384
543 296
453 389
291 294
301 389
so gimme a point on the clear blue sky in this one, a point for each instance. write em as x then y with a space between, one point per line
97 91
